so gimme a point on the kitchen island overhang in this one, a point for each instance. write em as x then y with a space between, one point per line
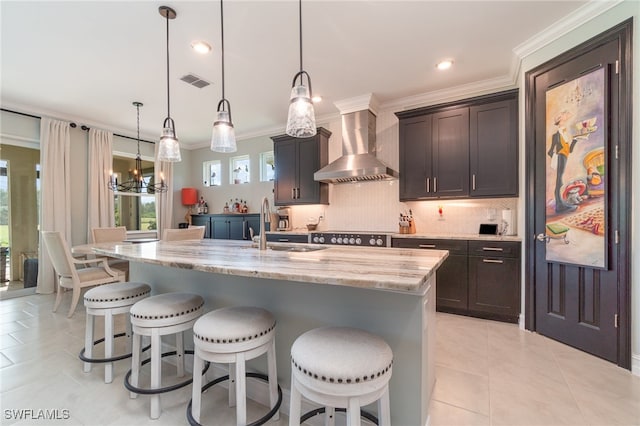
389 292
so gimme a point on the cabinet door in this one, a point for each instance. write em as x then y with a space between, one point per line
450 153
285 157
253 222
415 149
494 286
493 144
202 221
220 227
451 277
308 190
237 228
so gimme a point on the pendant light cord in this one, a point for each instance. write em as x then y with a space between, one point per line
300 23
168 98
222 43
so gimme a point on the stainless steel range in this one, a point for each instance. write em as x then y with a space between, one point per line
347 238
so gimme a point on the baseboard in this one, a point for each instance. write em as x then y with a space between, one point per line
635 364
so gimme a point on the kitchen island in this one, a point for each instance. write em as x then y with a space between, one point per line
386 291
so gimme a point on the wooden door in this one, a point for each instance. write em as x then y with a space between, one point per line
582 306
450 153
415 150
285 156
493 144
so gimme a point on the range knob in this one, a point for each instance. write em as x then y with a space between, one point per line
372 242
352 240
316 239
358 241
339 240
345 240
333 240
321 239
379 242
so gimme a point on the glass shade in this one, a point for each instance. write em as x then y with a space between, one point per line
223 138
169 149
301 122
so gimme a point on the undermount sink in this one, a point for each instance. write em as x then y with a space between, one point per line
294 248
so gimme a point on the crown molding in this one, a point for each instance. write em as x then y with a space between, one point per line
563 26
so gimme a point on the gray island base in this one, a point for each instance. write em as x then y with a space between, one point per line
386 291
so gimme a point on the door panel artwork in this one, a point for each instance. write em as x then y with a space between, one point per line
576 175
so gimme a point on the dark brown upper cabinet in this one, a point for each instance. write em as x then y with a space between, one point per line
296 160
460 150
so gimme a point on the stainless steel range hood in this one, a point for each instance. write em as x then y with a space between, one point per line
358 162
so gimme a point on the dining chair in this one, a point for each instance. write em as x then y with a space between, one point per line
109 235
76 274
190 233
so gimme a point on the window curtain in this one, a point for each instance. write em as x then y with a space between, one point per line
164 200
55 168
100 197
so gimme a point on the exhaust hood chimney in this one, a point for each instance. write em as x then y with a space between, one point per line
358 162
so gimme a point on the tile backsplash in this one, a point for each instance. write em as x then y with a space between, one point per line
374 206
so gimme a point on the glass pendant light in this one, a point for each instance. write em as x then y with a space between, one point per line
169 149
301 122
223 138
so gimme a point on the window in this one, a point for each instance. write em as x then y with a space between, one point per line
135 211
240 169
212 173
267 167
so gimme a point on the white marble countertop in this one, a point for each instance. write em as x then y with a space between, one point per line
391 269
435 236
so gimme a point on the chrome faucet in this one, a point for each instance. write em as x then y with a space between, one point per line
265 217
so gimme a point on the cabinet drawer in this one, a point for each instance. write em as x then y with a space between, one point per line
287 238
494 248
454 246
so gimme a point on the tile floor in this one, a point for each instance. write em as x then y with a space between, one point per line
488 373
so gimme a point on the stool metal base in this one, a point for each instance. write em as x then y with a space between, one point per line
111 359
262 420
142 391
321 410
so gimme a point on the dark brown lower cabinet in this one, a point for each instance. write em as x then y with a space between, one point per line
479 278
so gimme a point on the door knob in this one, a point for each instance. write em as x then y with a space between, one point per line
543 237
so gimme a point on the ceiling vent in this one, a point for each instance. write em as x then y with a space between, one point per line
194 80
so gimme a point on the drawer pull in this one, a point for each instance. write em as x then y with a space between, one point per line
427 246
492 249
492 261
283 240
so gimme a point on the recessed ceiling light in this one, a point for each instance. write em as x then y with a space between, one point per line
201 47
316 99
444 65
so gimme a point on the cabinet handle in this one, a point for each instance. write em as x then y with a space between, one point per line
427 246
492 261
492 249
244 230
283 240
473 181
435 184
293 193
427 183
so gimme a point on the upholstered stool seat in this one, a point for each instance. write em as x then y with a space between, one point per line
108 300
156 316
233 336
340 367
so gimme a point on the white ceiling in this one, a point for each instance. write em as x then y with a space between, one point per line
89 60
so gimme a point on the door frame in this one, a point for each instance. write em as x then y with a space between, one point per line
623 34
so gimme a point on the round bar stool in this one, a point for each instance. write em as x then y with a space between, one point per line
340 367
108 300
157 316
235 335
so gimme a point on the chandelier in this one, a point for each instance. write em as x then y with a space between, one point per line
137 182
